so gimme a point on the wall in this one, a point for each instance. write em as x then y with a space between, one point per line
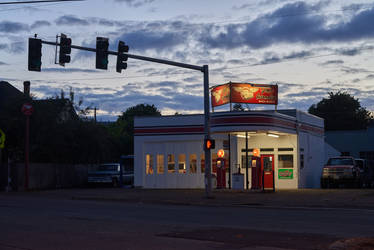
312 148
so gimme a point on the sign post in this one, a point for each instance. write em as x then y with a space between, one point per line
27 110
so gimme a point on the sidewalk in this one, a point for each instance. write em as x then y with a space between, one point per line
310 198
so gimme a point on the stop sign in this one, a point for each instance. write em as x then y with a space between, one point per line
27 109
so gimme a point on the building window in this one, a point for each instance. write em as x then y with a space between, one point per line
193 163
244 162
160 164
182 163
285 161
301 161
149 164
285 149
266 149
202 162
171 163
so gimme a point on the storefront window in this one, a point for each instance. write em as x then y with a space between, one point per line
244 162
214 162
202 162
285 161
160 164
193 163
171 163
182 163
149 164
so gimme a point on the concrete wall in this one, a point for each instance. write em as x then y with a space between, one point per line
48 176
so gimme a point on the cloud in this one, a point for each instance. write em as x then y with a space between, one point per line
14 47
13 27
332 62
3 46
350 70
39 24
135 3
275 28
3 63
148 39
71 20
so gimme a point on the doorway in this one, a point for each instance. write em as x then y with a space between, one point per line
267 167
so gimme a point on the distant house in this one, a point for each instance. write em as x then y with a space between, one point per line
8 94
356 143
61 110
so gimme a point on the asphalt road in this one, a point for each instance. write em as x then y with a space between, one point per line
47 223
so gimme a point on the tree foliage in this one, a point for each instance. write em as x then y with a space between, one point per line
123 129
341 111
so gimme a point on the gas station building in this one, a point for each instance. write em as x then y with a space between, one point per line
267 149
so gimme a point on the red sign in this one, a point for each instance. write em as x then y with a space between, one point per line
244 93
254 93
27 109
220 95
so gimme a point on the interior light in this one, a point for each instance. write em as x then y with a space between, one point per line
273 135
242 136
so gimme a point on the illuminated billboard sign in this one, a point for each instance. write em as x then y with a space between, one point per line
244 93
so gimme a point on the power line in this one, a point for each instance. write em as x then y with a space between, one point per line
38 1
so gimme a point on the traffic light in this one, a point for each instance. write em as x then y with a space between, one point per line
102 45
35 54
209 144
65 50
121 57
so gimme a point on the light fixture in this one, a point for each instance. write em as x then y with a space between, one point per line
242 136
273 135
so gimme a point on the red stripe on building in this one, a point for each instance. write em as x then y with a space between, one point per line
168 130
253 120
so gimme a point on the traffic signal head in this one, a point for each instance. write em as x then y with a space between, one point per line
121 57
65 50
102 45
35 54
209 144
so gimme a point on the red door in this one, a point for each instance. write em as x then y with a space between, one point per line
267 167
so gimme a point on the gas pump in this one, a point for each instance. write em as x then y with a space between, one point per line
256 170
221 169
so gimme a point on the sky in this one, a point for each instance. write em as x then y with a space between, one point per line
308 48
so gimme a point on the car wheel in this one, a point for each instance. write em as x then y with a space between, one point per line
114 182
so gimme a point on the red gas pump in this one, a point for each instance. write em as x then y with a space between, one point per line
221 169
256 173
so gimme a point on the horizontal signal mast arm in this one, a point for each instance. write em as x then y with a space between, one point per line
143 58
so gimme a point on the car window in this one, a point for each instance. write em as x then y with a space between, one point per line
340 161
112 167
360 164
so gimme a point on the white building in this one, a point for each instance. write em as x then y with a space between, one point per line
169 149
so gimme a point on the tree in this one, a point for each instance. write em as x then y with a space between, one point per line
341 111
123 129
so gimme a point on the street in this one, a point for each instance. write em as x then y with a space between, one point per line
52 223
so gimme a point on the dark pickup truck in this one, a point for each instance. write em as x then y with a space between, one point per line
116 174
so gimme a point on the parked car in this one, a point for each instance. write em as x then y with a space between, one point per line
342 170
116 174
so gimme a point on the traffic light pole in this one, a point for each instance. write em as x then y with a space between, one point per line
205 70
